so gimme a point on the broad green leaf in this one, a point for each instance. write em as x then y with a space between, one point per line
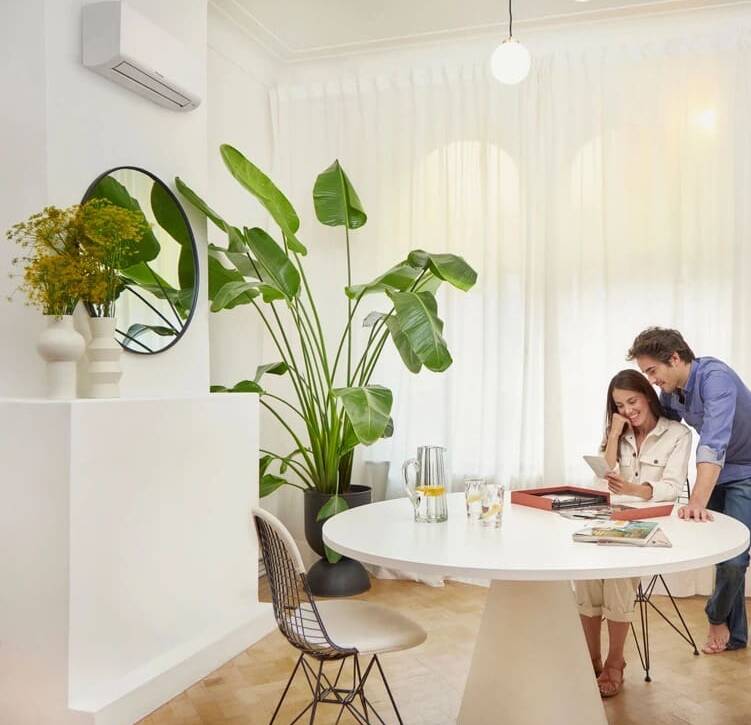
219 276
170 217
134 331
234 293
263 463
244 386
295 244
389 430
335 505
236 241
282 274
234 235
264 189
269 483
409 358
373 318
448 267
368 410
143 277
336 201
417 314
400 277
195 201
140 250
349 439
275 368
331 556
269 293
240 260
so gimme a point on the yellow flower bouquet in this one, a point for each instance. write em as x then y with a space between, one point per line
75 254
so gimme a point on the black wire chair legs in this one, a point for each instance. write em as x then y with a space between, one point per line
644 601
350 698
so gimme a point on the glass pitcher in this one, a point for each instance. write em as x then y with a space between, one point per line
428 494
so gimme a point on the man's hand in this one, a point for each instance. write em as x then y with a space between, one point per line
693 512
617 485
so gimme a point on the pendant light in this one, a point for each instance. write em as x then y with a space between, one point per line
510 60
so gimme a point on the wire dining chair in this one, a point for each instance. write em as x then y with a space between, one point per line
329 631
645 603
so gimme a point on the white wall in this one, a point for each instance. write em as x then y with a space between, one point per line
23 180
62 125
133 576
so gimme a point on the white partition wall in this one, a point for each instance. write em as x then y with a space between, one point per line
129 566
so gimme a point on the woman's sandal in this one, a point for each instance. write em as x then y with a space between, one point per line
608 686
597 665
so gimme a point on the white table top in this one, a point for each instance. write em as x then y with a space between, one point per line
532 545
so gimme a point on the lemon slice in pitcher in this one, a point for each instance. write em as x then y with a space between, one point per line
431 490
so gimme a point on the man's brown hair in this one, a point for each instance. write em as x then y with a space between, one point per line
660 343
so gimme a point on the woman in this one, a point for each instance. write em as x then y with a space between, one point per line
651 455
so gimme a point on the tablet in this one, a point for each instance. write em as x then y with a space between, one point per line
599 465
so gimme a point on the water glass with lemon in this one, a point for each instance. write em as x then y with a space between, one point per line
491 514
474 488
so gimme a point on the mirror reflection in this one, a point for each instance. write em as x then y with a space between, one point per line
159 279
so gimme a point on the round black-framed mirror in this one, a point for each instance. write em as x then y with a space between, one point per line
161 278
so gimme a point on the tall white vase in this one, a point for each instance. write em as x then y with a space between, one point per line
104 359
61 345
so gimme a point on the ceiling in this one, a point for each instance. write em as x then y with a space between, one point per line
296 30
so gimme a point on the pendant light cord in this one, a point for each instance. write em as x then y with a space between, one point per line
510 20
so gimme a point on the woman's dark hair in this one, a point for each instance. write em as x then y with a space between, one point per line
660 343
633 381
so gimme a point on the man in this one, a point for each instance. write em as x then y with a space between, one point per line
710 397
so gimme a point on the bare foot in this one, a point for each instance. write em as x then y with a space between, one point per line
718 637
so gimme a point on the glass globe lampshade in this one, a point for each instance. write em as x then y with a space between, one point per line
510 62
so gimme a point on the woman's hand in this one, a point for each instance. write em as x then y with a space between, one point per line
617 485
618 424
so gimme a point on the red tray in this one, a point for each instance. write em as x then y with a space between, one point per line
533 497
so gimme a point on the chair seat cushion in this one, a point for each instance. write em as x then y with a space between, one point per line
369 628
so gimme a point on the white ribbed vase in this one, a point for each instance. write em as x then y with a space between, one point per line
104 359
61 345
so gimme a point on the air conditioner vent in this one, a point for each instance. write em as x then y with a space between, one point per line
150 83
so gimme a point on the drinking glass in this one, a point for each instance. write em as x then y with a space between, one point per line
474 488
492 505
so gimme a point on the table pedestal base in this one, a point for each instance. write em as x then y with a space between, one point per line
530 665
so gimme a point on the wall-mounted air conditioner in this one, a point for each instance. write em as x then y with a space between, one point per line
131 50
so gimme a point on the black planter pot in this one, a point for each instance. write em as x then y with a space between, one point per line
347 577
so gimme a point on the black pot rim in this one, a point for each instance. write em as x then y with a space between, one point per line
354 488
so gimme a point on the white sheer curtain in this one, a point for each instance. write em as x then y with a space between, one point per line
607 193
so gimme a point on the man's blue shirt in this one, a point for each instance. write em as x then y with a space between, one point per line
717 404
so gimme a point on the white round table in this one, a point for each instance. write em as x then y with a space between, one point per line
530 664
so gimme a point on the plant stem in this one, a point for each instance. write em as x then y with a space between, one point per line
344 336
303 451
296 467
166 296
153 309
282 400
349 299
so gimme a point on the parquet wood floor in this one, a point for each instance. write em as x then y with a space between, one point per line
428 681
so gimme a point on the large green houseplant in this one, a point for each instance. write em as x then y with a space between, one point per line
334 406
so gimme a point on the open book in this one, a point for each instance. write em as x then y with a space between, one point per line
635 533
